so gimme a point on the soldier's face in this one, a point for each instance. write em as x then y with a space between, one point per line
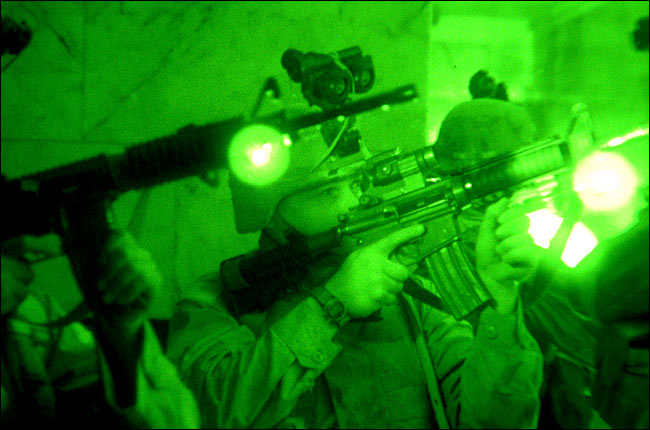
315 211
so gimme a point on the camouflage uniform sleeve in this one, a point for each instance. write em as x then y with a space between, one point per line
488 380
245 379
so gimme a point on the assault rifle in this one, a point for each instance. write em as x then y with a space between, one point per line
412 191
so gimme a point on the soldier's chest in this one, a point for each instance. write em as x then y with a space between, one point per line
378 373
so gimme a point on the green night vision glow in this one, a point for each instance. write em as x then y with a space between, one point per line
581 242
643 131
259 155
605 181
544 224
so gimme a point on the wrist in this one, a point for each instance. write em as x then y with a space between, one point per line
504 293
505 307
119 334
334 310
122 351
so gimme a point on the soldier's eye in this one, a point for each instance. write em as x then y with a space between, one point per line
330 192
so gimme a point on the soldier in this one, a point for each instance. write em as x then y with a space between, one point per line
69 375
298 364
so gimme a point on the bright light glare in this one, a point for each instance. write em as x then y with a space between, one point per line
581 242
544 224
605 181
622 139
259 155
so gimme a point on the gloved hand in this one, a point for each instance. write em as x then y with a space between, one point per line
128 284
506 254
369 278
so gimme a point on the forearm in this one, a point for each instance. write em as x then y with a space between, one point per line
502 375
241 380
157 397
122 347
